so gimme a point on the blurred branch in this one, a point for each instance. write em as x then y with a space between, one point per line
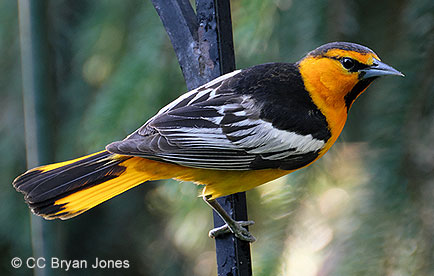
37 96
180 22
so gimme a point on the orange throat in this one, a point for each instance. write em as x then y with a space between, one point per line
327 89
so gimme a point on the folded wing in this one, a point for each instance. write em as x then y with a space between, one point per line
215 127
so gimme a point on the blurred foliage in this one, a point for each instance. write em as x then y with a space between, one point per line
366 208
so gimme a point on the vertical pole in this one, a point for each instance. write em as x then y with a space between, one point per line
204 46
37 94
215 36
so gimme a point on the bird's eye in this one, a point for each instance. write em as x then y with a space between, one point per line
348 63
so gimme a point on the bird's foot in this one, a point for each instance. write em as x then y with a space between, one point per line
236 228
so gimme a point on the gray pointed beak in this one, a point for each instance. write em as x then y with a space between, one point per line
378 69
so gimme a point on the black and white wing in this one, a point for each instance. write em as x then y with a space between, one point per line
217 127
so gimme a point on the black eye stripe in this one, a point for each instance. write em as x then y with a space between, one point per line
357 65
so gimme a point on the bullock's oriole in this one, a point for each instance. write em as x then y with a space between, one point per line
232 134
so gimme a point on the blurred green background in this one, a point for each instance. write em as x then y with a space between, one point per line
366 208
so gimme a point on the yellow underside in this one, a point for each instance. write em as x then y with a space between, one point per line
138 170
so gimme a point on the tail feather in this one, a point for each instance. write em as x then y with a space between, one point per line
42 183
64 190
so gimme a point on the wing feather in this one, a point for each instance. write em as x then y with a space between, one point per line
215 127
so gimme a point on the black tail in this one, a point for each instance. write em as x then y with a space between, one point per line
45 188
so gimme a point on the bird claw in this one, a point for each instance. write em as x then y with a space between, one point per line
237 229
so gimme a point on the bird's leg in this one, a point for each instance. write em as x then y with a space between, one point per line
231 226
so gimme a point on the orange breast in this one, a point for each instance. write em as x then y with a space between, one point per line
327 86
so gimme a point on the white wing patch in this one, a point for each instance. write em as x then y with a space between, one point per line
199 138
263 138
199 92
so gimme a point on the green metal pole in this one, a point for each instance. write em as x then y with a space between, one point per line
38 91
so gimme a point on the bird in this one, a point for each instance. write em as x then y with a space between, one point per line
234 133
